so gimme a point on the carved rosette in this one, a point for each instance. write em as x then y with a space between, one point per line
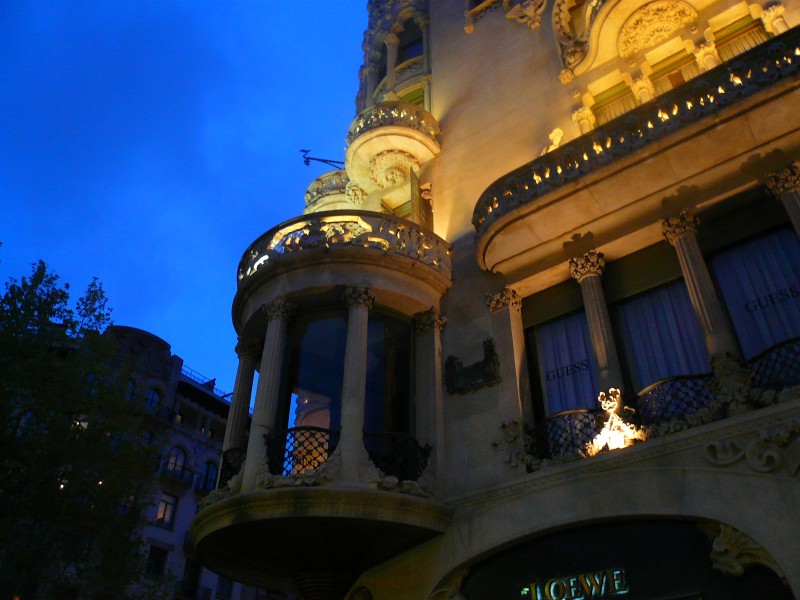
427 320
279 309
591 264
391 168
785 181
653 23
679 225
354 296
506 297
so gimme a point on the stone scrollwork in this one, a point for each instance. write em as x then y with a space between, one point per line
653 23
391 167
593 263
785 181
527 12
732 551
428 320
507 297
768 453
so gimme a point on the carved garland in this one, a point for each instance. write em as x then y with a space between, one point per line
653 23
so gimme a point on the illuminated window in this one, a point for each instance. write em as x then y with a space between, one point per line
167 506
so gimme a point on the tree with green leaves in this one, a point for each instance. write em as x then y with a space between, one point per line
75 469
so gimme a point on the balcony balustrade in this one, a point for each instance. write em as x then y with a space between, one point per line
674 398
394 114
299 450
705 95
397 454
329 184
567 433
177 474
777 367
324 232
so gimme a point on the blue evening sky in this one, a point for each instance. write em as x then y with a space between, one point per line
148 142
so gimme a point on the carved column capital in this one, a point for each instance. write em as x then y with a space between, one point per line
590 264
427 320
773 19
643 89
354 296
784 181
278 309
246 348
391 39
505 297
676 227
707 56
584 118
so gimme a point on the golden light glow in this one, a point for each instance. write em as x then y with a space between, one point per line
616 433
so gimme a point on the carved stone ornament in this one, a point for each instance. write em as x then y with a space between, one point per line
353 296
232 461
279 309
391 168
427 320
516 446
768 453
248 348
572 45
584 118
507 297
676 227
707 56
590 264
653 23
733 551
643 89
771 16
785 181
355 195
528 12
460 379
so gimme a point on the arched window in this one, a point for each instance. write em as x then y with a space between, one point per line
153 400
177 459
208 479
410 45
130 391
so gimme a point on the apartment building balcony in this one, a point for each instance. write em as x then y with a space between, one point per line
618 179
176 475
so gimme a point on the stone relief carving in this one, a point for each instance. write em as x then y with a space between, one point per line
327 184
785 181
278 309
507 297
460 379
679 225
771 451
391 167
732 551
653 23
528 12
515 446
353 296
593 263
355 195
427 320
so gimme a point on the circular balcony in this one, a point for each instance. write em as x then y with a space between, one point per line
406 263
388 140
328 192
314 540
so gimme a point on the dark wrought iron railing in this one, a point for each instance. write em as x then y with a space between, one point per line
777 367
397 454
727 84
299 450
673 398
177 473
567 433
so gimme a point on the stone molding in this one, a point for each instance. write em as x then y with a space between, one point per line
679 225
732 551
653 23
427 320
593 263
278 309
785 181
507 297
353 296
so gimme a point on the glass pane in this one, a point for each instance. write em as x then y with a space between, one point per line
660 335
566 367
760 284
388 398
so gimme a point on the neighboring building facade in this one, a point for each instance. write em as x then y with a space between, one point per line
186 415
542 204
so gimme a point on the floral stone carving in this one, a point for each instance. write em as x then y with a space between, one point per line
653 23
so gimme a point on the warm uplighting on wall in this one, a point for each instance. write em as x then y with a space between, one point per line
616 433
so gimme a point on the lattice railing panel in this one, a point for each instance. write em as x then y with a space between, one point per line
397 454
673 398
567 433
300 450
778 367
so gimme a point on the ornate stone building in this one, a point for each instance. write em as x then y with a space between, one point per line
538 339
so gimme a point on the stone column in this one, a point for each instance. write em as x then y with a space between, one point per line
392 42
278 314
428 394
774 20
235 441
586 270
707 56
372 83
681 232
351 450
785 186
